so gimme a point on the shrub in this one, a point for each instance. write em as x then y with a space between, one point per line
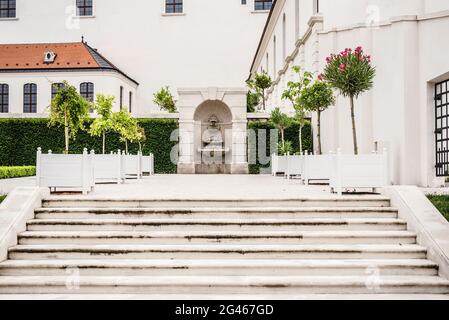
2 198
20 138
442 204
17 172
165 100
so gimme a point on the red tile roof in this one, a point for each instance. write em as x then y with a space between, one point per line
69 56
31 56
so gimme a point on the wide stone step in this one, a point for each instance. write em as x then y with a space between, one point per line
232 237
230 213
226 285
216 251
316 201
214 224
225 267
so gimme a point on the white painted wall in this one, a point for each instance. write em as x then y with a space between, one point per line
409 47
108 83
212 44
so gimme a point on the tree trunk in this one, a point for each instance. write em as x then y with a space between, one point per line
126 146
282 140
300 139
354 130
66 132
319 131
263 100
104 142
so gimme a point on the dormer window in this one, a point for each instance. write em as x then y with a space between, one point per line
262 5
7 9
84 8
49 57
173 6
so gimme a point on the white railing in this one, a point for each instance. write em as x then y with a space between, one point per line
67 171
148 164
109 168
317 168
369 171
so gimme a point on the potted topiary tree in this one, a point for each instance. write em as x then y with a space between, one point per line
293 93
103 123
69 110
317 98
261 82
281 121
352 74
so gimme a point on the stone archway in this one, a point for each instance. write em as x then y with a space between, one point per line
212 131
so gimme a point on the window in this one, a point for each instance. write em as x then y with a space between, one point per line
267 63
87 91
84 8
7 9
130 101
243 2
262 4
30 98
121 97
296 19
55 87
316 6
4 98
274 58
173 6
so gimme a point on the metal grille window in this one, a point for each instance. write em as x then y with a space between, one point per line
173 6
442 128
55 87
30 98
121 97
84 7
7 9
4 98
87 91
130 101
263 4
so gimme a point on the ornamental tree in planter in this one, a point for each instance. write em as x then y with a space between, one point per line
127 127
352 74
293 94
281 121
103 123
261 82
165 100
317 98
70 110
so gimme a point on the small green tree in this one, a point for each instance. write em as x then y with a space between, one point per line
286 148
103 123
281 121
317 98
69 110
293 93
352 74
261 82
165 100
252 101
127 127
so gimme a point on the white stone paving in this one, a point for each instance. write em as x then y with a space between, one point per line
7 185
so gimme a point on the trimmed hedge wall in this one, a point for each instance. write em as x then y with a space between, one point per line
17 172
291 134
20 138
2 198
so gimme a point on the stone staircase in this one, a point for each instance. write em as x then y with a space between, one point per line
269 248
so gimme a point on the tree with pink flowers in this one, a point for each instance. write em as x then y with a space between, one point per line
352 74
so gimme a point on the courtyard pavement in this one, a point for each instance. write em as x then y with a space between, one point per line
209 186
7 185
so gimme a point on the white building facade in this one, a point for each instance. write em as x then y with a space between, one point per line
406 111
176 43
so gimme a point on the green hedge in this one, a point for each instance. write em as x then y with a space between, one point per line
2 198
17 172
20 138
291 134
442 204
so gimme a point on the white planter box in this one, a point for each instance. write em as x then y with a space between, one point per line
278 164
295 166
67 171
148 164
133 165
109 168
359 171
317 168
